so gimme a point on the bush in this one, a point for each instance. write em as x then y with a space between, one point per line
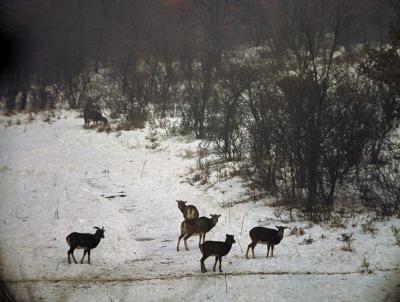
347 238
379 189
396 234
298 231
308 240
369 227
365 267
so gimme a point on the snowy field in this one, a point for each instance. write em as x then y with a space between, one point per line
57 178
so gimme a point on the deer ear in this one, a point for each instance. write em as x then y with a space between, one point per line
219 215
277 227
97 228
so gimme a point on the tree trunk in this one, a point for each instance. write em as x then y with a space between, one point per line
312 156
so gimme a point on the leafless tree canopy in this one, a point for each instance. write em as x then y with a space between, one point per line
306 90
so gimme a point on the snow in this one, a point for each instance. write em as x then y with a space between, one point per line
56 177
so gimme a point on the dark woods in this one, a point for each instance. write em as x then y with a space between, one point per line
305 91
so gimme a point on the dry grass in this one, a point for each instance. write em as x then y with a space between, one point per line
365 267
104 128
369 227
298 231
337 221
129 125
188 154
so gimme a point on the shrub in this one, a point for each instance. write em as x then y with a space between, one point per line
396 234
365 267
369 227
298 231
347 238
308 240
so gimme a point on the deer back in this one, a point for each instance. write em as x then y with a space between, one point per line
266 235
197 225
190 212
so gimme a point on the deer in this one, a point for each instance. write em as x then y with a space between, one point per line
196 226
262 235
188 211
217 249
84 241
90 114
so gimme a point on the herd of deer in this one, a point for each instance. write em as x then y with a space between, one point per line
192 225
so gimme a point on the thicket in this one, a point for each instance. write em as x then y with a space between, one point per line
305 91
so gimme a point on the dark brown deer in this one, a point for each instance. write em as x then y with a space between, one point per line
270 237
197 226
83 241
90 114
217 249
188 211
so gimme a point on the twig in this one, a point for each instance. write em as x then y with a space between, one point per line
241 229
114 196
239 245
226 285
144 163
188 181
56 213
106 173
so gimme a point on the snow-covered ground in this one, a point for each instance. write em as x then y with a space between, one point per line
58 178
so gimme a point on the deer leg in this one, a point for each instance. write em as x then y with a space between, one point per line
247 252
203 267
185 240
73 257
220 261
84 253
204 237
272 250
179 240
252 249
252 245
268 247
71 252
248 249
200 239
215 264
88 253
